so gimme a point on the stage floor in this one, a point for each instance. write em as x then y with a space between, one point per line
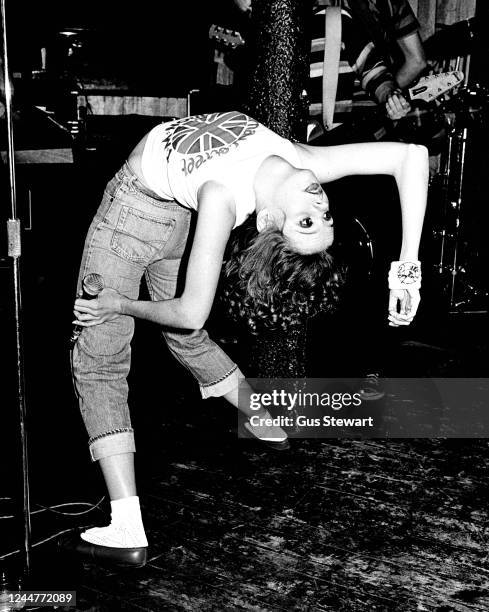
328 525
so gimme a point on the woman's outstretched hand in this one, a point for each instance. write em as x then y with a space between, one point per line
105 307
403 304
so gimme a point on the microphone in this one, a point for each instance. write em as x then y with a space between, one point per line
92 285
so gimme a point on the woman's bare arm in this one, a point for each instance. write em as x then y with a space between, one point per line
407 163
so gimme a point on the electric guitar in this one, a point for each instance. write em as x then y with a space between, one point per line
423 124
226 41
224 36
431 87
421 95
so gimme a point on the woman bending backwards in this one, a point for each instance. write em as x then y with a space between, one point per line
224 167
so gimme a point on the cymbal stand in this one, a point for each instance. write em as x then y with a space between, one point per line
461 141
464 295
452 262
443 232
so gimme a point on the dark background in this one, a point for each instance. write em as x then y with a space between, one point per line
155 45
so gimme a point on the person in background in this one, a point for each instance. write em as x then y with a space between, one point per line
368 76
394 29
381 54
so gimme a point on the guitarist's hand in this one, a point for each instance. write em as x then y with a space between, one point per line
397 106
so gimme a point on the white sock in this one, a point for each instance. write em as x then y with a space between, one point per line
126 528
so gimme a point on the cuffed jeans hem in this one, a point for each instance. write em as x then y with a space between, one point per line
112 444
223 386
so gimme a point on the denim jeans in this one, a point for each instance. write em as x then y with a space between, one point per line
135 233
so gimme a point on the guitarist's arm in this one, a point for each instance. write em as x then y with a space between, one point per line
371 68
414 59
405 27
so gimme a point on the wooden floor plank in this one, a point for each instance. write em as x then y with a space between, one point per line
231 516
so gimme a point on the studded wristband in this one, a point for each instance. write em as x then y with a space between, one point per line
405 275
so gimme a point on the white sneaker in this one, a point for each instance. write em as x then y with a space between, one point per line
116 536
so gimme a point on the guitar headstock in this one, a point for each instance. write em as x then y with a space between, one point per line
431 87
226 37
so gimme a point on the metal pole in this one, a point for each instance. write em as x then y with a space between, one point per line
457 204
445 231
14 251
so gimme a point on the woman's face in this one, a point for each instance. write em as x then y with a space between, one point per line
308 223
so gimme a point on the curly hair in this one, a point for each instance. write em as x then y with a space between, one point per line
269 286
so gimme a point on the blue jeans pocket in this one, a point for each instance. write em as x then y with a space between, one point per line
138 236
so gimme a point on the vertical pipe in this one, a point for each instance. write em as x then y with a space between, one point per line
278 77
14 251
280 66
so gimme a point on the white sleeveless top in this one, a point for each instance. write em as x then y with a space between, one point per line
181 155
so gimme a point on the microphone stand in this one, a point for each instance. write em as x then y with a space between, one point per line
14 251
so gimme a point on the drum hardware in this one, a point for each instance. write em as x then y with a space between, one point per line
468 107
465 293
